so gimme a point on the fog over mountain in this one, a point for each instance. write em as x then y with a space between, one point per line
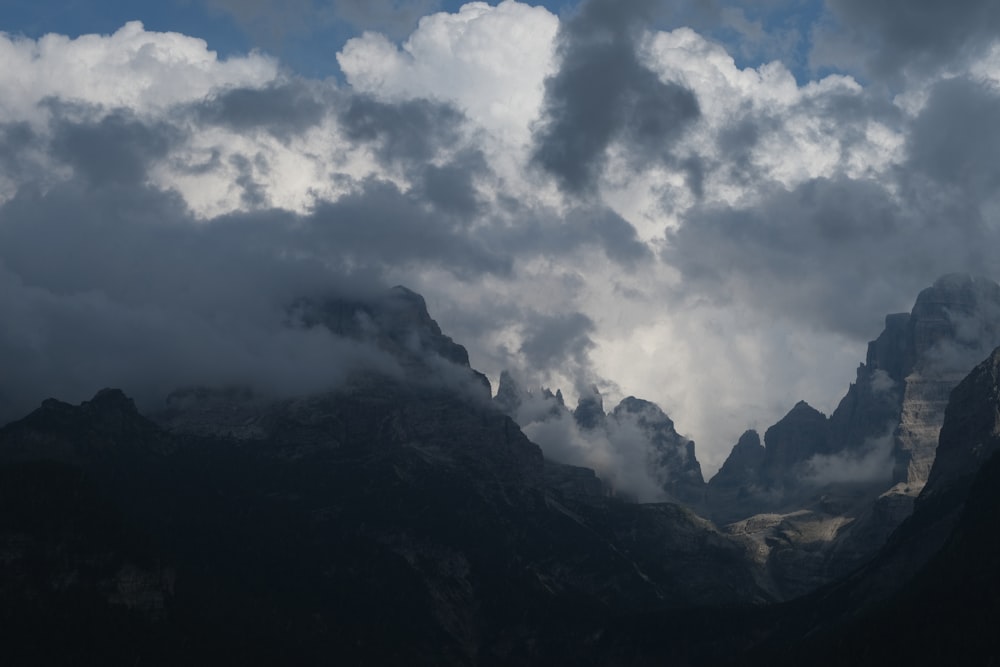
709 207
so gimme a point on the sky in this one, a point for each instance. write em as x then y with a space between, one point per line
708 205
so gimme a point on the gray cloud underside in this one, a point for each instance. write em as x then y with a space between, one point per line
893 37
837 253
603 93
109 280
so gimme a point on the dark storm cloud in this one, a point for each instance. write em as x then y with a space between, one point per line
955 142
558 342
115 149
118 286
451 187
383 226
413 130
534 233
15 139
834 254
602 93
818 253
253 194
284 110
914 35
107 280
736 143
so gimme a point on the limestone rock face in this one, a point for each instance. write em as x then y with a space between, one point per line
954 324
864 466
901 389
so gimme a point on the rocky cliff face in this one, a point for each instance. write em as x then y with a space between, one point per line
954 324
860 470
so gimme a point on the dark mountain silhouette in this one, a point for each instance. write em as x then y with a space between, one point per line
394 520
402 518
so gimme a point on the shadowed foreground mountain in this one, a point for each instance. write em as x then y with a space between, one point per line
402 518
394 520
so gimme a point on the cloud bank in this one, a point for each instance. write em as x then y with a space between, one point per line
611 196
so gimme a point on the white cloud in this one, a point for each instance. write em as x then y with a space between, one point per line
143 71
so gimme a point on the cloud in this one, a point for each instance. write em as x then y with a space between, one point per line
489 62
604 93
872 463
410 130
895 37
744 230
116 149
133 68
953 142
284 108
558 341
620 458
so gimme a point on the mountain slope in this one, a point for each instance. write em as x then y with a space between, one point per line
393 520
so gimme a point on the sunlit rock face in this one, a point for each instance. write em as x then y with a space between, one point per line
954 325
860 470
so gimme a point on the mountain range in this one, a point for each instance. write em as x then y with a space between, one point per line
407 516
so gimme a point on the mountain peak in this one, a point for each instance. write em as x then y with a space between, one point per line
509 397
397 321
112 399
589 411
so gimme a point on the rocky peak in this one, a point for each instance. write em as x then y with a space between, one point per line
508 397
799 435
589 411
557 397
959 309
743 463
671 456
397 321
888 353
